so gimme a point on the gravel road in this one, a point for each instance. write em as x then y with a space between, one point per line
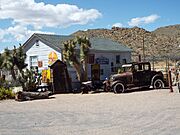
153 112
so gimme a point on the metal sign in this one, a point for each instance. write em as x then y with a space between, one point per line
102 60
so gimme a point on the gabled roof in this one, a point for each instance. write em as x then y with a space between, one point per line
97 44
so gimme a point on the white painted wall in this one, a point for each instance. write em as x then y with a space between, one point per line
112 58
107 68
42 51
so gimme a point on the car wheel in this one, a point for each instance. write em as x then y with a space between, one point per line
84 89
118 88
158 84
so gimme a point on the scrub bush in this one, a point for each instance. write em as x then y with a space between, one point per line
6 94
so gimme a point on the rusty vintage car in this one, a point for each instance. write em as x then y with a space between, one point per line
136 75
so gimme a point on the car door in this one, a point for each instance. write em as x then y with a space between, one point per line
129 79
146 74
138 75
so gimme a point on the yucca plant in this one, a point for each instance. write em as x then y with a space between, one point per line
6 93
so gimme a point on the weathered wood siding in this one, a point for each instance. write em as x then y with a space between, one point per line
42 51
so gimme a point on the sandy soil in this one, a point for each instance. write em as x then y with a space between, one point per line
155 112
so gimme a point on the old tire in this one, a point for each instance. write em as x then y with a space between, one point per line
118 88
158 84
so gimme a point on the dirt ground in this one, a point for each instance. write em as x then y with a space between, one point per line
153 112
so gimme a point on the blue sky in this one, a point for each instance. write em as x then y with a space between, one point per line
19 19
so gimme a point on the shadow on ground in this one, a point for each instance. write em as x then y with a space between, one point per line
127 91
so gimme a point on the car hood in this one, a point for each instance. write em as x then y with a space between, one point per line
125 74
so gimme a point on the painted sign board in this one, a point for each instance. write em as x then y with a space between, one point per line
52 57
102 60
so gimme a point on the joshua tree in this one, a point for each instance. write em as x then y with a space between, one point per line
12 60
8 62
19 58
70 54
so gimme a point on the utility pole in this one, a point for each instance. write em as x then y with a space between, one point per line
143 48
153 62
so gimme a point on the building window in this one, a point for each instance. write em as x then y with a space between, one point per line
102 72
112 69
33 61
124 61
37 43
90 59
117 59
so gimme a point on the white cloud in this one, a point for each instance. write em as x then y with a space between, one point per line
18 32
28 12
29 17
143 20
117 25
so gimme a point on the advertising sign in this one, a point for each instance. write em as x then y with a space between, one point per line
102 60
52 57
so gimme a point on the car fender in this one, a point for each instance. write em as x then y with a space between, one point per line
115 82
156 76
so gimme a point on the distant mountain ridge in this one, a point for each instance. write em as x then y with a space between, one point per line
171 30
164 41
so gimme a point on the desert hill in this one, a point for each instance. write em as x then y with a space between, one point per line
156 43
172 30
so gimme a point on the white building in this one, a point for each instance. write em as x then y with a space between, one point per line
109 54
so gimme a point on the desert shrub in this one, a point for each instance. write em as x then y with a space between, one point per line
6 94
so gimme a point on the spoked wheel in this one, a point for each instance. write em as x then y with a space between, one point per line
158 84
118 88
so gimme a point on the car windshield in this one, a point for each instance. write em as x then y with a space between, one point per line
127 68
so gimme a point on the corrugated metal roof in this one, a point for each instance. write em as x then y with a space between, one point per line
98 44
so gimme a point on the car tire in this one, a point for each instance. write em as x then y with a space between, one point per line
85 89
158 84
119 88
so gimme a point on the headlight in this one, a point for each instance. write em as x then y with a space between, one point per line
112 78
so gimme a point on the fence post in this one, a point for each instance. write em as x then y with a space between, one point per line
170 81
